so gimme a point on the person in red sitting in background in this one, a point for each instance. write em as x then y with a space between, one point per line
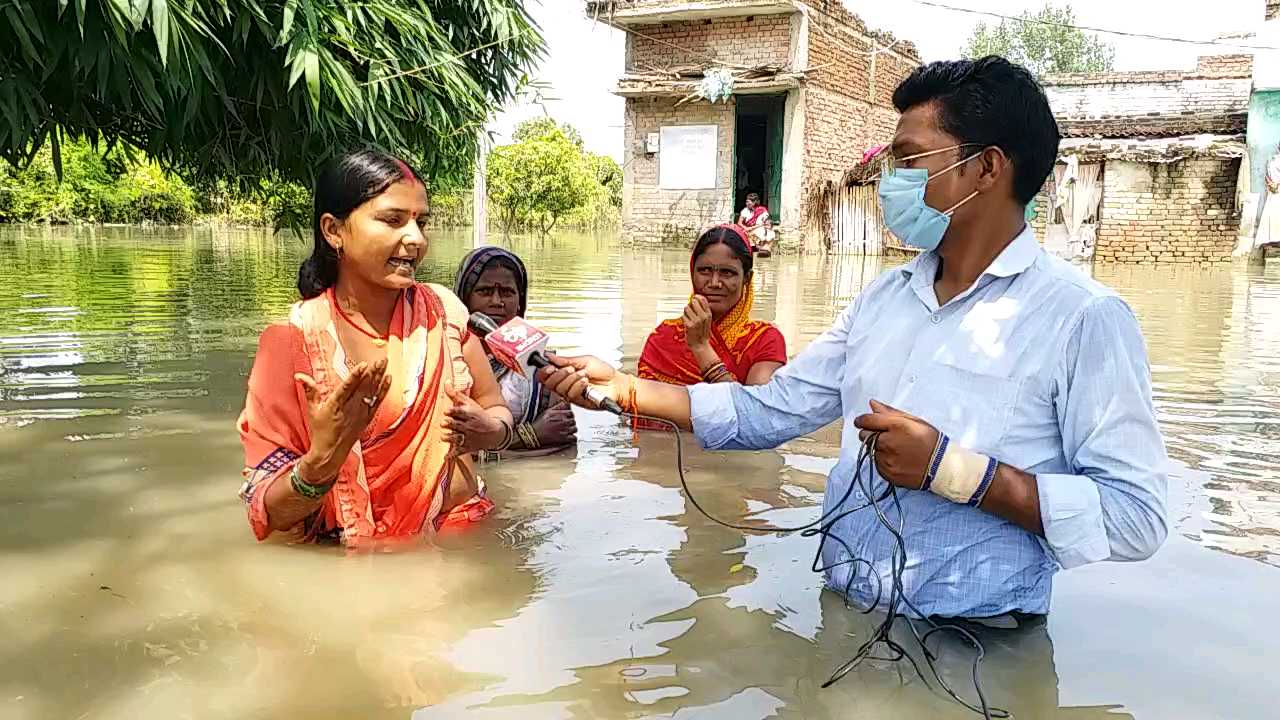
759 225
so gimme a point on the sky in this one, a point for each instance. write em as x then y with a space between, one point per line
584 59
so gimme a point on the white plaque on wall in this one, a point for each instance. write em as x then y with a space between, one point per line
687 160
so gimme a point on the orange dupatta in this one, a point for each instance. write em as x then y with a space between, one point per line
396 480
739 341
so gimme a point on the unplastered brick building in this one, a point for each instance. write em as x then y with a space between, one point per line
809 87
1149 164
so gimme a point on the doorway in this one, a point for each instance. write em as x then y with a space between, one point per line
757 152
1075 204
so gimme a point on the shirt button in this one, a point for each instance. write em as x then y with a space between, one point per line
911 378
382 529
935 319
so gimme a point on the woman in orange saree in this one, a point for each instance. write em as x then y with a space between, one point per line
716 340
364 407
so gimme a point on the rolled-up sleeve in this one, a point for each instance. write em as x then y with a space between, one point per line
1112 505
803 396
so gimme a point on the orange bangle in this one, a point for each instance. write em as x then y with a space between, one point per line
632 408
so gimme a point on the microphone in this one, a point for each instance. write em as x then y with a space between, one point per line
520 346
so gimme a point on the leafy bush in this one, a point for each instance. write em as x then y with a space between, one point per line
451 208
546 176
34 194
117 188
146 194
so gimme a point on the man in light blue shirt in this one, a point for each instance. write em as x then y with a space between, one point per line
1010 393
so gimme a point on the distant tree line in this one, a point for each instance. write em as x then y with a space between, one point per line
543 180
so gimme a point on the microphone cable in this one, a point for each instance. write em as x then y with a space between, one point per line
823 529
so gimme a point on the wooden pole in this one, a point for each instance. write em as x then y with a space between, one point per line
480 195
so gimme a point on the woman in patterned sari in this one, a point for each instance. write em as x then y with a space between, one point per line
363 408
716 340
494 281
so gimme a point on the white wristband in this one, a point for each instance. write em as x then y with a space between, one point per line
959 475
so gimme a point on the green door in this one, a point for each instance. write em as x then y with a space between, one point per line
773 161
757 150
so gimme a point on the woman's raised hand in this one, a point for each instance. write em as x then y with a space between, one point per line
697 324
337 421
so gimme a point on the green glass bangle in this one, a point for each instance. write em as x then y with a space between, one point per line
528 436
305 489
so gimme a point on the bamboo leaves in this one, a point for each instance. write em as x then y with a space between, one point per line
160 26
24 34
290 9
311 68
255 87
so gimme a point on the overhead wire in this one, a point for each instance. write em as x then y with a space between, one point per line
1088 28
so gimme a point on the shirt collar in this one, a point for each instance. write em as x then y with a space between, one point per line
1016 257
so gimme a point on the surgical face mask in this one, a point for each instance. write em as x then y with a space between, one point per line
906 214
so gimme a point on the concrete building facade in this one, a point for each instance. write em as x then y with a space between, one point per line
1150 164
811 88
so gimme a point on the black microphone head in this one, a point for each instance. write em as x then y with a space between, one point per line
482 324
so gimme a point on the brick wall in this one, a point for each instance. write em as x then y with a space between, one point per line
1155 108
1224 66
834 13
1207 67
1040 221
764 40
604 7
840 61
838 130
1156 126
1182 212
1213 98
848 107
655 215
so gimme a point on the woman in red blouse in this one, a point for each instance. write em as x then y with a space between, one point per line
716 340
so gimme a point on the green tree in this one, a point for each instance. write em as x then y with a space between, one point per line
1045 41
609 175
536 181
94 188
236 88
545 127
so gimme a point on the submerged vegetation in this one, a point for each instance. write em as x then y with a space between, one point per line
543 180
176 111
121 187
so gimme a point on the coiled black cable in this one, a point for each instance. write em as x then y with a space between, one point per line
823 528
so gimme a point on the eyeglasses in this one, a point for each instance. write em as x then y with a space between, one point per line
889 163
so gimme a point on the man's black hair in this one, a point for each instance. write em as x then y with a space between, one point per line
988 102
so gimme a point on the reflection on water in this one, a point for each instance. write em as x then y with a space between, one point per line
133 587
1214 341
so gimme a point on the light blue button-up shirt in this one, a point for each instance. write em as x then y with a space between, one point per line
1036 365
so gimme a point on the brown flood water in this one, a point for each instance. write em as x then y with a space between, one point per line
131 586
